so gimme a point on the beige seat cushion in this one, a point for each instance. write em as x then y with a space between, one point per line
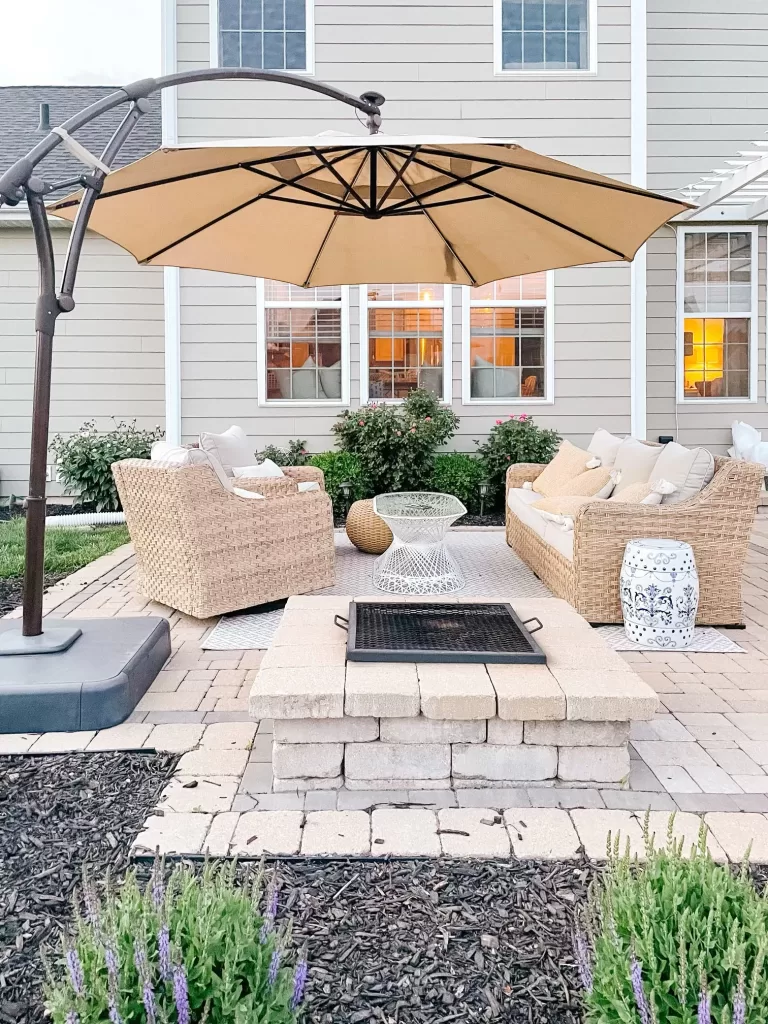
563 505
605 446
651 493
232 448
569 462
690 469
520 503
636 462
561 540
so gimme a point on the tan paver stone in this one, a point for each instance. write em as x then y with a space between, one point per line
736 762
582 653
545 833
523 762
175 738
399 785
17 742
382 690
213 762
206 795
527 692
592 764
735 833
710 726
331 604
675 779
298 693
305 785
596 828
307 760
167 681
753 726
686 827
229 736
404 832
664 730
219 837
128 736
337 833
304 656
429 730
173 833
454 691
61 742
576 734
181 700
680 754
713 779
505 732
694 703
487 835
313 634
606 696
327 730
276 832
752 783
379 760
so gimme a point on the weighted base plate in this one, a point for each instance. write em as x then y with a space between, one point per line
52 641
94 684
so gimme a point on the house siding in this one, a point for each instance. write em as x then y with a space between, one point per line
434 63
108 354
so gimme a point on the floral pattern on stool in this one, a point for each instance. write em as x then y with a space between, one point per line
659 593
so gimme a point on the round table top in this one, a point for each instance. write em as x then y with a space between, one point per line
417 505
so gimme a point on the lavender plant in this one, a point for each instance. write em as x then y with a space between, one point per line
677 939
197 950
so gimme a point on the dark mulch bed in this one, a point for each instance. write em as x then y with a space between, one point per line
58 813
11 589
18 509
490 519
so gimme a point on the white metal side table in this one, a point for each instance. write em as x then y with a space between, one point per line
417 561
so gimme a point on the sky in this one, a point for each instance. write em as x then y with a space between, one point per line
80 42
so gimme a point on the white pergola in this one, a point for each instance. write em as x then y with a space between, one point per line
737 192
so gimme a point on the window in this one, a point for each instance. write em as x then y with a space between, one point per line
507 349
270 34
406 341
717 300
303 342
544 35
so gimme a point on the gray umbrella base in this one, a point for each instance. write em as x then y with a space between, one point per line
93 684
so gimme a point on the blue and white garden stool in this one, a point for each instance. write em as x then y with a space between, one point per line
659 593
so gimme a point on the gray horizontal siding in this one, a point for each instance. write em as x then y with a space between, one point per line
108 354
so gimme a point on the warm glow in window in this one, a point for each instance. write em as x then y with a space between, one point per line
405 339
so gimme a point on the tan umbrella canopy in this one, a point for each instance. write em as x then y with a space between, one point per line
338 209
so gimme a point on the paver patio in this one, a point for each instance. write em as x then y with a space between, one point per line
705 752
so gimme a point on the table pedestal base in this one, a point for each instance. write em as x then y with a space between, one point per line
408 568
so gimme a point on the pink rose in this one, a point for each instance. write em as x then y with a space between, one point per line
511 416
509 458
427 419
361 423
413 430
523 417
498 423
398 433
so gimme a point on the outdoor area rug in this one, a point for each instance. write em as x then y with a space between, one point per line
706 640
490 567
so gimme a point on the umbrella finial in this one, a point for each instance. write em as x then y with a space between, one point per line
373 121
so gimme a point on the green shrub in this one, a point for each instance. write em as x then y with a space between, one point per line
396 444
674 941
198 950
295 454
339 468
84 459
516 439
461 475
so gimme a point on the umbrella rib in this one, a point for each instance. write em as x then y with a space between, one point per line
331 226
528 209
398 177
329 165
270 193
293 182
431 220
458 180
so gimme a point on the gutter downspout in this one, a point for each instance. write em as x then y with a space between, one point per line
639 177
171 275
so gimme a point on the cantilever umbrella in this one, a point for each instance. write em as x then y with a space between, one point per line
340 209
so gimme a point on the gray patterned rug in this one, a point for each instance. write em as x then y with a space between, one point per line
706 640
490 567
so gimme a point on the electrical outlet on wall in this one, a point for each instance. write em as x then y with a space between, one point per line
49 473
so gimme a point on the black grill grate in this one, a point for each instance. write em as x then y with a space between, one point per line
380 631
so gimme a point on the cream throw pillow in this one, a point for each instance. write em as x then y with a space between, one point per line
598 483
569 462
690 469
267 468
242 493
605 446
644 494
231 448
636 462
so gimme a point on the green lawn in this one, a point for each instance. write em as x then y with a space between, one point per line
65 550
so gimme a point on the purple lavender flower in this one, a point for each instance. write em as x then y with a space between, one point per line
180 994
269 914
114 1013
113 969
739 1004
274 967
636 976
272 905
583 961
704 1016
75 969
147 992
72 1018
164 951
158 890
91 904
299 981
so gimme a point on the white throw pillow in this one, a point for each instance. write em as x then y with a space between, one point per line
689 469
176 455
482 378
241 493
308 485
263 469
231 448
305 381
330 380
636 462
605 446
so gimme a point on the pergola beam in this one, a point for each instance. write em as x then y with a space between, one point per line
718 193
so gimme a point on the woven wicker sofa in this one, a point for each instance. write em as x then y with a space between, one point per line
205 550
717 523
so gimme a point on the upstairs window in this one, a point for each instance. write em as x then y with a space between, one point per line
268 34
543 35
717 313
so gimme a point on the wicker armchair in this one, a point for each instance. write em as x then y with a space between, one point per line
273 486
206 551
716 523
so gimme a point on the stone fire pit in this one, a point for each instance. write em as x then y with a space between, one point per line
407 726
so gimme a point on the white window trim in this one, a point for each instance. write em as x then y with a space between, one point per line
752 316
445 305
213 42
549 345
499 69
261 350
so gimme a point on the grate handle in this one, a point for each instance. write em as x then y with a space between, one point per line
540 624
341 622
